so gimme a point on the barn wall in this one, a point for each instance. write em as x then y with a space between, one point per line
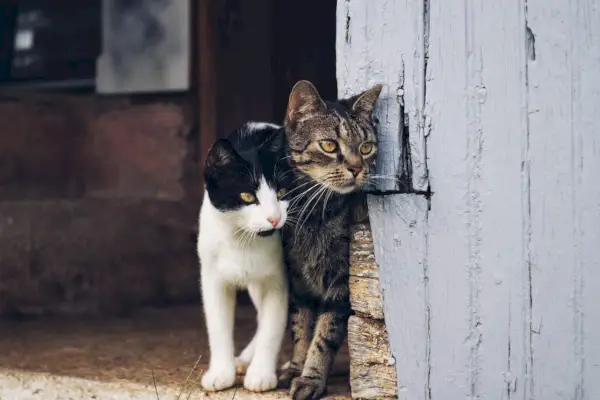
98 203
489 283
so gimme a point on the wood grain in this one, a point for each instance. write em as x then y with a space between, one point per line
370 51
477 227
362 256
372 375
365 297
564 157
488 286
400 250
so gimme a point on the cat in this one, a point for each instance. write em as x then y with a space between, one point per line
331 148
239 247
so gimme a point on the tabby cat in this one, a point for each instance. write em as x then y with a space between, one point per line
331 147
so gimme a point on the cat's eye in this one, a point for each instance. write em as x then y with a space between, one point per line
281 192
328 146
248 197
366 148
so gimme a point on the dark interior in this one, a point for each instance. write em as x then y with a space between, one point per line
99 195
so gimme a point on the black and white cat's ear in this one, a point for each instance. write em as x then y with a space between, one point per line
364 103
277 141
221 154
304 102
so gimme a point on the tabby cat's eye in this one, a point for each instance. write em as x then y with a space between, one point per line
281 192
328 146
366 148
248 197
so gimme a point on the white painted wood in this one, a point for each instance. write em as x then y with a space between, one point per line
398 223
383 42
478 275
564 108
493 293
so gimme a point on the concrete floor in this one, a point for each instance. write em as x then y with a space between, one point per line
123 358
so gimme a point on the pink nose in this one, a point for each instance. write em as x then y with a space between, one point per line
355 170
274 221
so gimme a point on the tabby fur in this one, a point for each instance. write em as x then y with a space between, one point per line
316 238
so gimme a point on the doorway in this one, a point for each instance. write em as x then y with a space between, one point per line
110 305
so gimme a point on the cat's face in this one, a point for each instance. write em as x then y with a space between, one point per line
250 186
335 143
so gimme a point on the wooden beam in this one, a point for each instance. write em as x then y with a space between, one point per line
207 78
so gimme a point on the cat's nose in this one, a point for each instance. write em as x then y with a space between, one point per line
274 221
355 170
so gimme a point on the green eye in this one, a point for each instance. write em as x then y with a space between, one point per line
366 148
281 192
248 197
328 146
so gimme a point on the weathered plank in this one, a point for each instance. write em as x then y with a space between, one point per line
385 44
365 297
399 224
564 89
477 273
372 375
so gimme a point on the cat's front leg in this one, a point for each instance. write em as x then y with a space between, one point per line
219 310
302 321
272 320
243 360
330 332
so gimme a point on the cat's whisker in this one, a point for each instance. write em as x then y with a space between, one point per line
313 195
372 179
318 200
316 196
325 203
297 188
294 201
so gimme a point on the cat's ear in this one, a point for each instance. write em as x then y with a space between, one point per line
277 141
221 154
364 103
304 102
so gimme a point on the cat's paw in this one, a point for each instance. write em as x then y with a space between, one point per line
304 388
241 365
286 365
289 371
260 379
218 378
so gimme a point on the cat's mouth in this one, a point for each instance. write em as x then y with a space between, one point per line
345 187
266 233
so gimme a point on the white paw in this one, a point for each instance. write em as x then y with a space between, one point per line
260 379
241 365
218 378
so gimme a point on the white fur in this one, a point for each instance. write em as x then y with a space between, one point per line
227 264
257 126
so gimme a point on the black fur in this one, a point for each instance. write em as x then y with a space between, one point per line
235 165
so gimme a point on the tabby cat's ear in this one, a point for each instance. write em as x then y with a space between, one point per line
364 103
221 154
304 102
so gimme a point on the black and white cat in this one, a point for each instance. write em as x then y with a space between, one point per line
239 247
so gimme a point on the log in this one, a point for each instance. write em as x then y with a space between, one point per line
362 257
372 371
365 297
